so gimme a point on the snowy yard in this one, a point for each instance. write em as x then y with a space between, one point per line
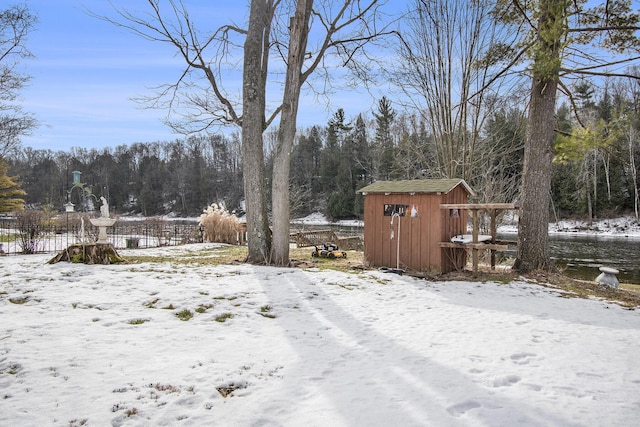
114 345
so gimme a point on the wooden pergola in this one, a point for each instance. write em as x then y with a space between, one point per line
493 245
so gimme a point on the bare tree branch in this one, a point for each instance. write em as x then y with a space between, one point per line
178 30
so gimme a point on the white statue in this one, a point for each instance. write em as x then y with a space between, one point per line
104 209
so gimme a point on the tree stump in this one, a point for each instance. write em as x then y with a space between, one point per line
89 253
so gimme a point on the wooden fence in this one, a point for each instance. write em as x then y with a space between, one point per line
304 239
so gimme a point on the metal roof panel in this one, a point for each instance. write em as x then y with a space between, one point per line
425 186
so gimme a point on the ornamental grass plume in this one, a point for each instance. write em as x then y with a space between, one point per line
219 225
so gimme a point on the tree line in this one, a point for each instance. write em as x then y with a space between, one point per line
595 169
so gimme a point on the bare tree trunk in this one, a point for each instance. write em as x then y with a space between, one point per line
587 191
533 227
632 168
298 32
606 163
595 185
256 50
533 235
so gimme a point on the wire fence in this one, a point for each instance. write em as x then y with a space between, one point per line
37 235
54 237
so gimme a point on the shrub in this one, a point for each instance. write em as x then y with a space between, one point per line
31 225
219 225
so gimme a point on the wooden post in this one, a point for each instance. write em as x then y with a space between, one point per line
492 212
474 234
492 209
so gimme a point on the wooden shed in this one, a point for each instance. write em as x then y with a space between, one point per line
404 224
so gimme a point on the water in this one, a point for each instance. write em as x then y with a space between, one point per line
581 256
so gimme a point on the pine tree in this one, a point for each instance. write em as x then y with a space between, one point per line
10 191
384 146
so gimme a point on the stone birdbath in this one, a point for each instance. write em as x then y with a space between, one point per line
103 222
608 277
100 252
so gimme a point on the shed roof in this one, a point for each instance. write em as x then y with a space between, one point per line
426 186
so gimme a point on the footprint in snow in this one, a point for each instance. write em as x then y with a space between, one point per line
522 358
460 408
506 381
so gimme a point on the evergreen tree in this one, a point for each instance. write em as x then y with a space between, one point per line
383 150
505 135
10 191
305 171
333 176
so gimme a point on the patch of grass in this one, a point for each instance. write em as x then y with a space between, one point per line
206 256
231 298
266 308
137 321
347 286
586 289
184 315
223 317
202 308
152 304
265 311
301 257
631 288
19 300
115 259
9 237
228 389
166 388
169 307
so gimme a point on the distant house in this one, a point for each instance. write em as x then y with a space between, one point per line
404 223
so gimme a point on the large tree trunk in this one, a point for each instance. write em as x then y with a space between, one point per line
533 227
533 237
256 50
298 31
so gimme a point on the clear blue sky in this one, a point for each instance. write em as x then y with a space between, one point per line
86 71
84 74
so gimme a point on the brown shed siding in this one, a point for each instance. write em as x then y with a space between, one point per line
419 236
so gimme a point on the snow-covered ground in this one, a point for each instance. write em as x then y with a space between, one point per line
103 345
